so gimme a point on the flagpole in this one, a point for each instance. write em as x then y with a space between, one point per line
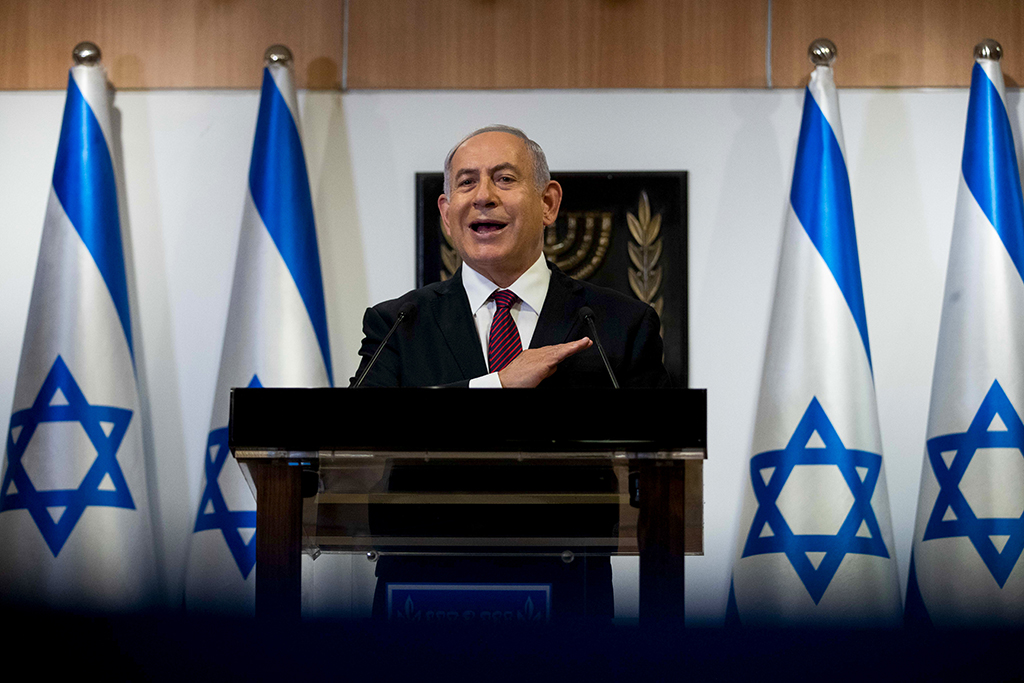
275 336
816 545
965 561
75 525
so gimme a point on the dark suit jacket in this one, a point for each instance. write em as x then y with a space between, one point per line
439 345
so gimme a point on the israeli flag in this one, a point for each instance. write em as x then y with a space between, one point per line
815 545
75 525
965 567
276 337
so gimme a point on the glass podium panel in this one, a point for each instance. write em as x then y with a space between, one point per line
428 536
553 504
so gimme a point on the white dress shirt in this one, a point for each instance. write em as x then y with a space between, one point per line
531 288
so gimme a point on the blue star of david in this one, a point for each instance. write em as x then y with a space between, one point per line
769 532
220 517
965 522
104 484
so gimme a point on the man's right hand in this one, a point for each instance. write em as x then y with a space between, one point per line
534 365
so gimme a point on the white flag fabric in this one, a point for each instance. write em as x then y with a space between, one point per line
75 523
815 545
276 337
969 533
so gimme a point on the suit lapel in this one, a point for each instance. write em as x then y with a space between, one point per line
455 322
558 318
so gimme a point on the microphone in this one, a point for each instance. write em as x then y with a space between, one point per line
407 309
587 314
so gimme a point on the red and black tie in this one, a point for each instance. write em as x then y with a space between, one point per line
504 344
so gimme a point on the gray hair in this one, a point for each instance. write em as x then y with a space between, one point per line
541 173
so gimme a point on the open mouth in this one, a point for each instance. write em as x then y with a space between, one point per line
483 227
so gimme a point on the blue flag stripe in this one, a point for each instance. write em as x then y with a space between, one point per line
990 165
83 179
280 189
821 200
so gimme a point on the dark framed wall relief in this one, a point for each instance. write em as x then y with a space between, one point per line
623 230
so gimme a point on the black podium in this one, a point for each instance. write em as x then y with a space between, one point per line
473 473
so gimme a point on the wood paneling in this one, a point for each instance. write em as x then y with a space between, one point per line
896 43
556 43
170 43
507 44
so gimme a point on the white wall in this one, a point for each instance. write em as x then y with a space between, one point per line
186 157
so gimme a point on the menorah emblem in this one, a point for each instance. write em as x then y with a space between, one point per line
579 251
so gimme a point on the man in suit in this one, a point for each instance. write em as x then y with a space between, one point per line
507 319
498 198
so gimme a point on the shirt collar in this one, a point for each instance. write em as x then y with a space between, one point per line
531 287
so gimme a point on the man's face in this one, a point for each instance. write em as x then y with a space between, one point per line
494 212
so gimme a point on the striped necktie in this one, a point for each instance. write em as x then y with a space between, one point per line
504 344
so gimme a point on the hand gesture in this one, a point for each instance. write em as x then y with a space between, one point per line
534 365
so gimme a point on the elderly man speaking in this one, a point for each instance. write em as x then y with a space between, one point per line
507 318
